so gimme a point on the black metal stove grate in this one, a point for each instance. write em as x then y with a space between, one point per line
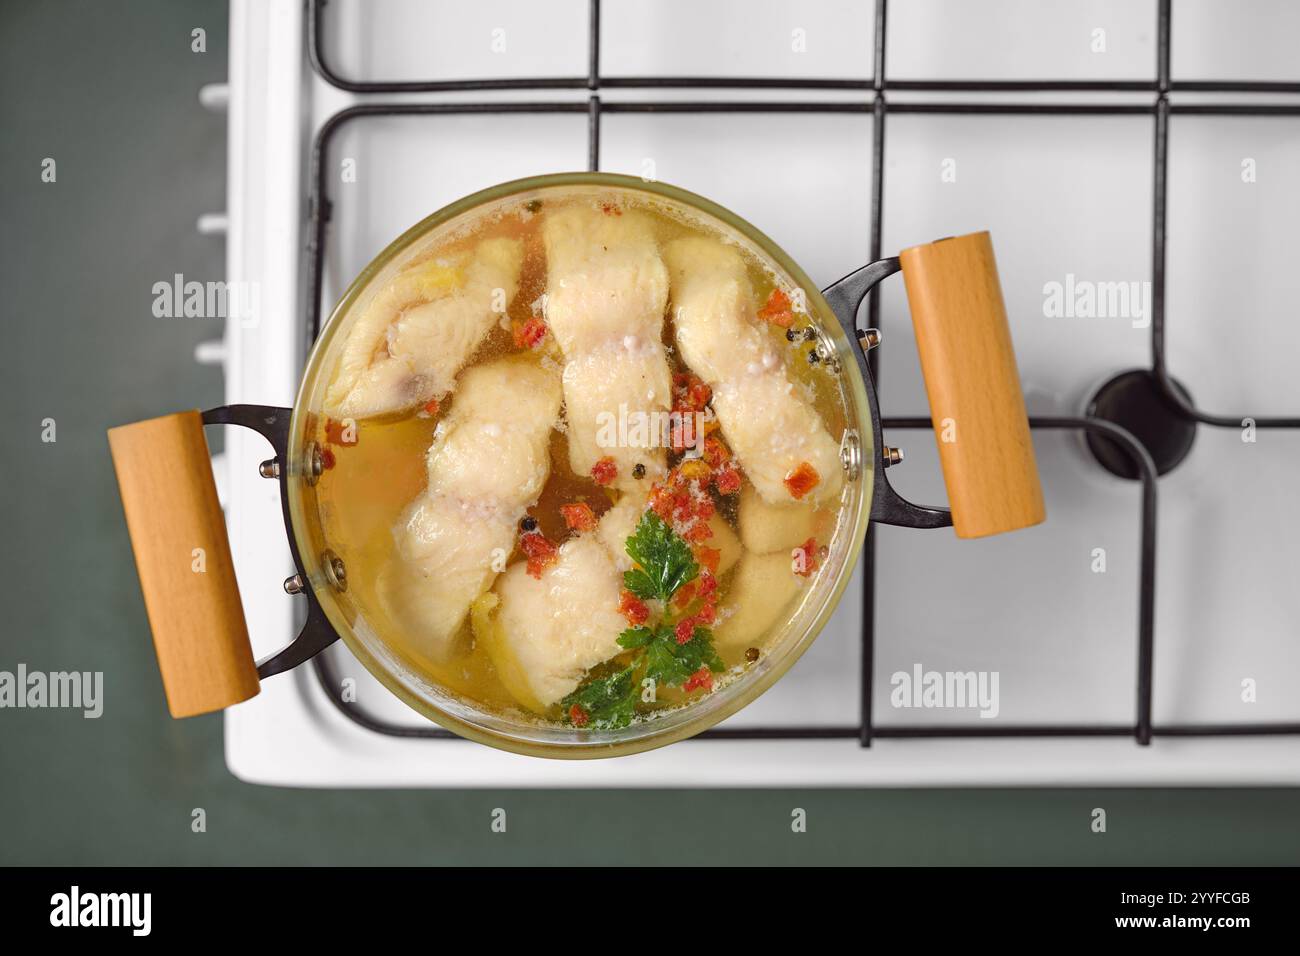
878 105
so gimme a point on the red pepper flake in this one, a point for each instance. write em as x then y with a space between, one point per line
804 558
341 433
579 516
715 452
708 613
609 209
727 480
327 459
777 309
632 608
539 552
577 716
529 335
708 583
708 558
702 678
802 480
685 594
690 393
431 406
604 471
699 531
684 630
661 502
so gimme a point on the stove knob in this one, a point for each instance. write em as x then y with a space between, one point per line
212 352
212 224
215 97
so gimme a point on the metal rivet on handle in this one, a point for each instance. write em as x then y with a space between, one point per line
335 572
851 454
892 456
294 584
315 463
869 339
269 468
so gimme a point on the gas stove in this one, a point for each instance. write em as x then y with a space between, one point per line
1149 632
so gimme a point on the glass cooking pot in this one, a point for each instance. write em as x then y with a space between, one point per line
197 620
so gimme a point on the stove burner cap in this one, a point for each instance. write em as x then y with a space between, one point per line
1133 400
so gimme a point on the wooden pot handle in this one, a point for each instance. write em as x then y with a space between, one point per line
970 373
182 553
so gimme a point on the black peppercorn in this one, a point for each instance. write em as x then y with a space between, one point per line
528 524
533 205
751 655
791 335
814 357
638 470
810 334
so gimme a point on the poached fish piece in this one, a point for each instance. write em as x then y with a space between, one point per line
548 633
606 292
611 397
417 332
486 466
543 635
765 528
606 279
767 420
763 587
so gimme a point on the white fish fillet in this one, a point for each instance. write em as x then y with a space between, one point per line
767 421
417 333
487 465
548 633
764 586
606 292
765 528
552 631
606 279
617 525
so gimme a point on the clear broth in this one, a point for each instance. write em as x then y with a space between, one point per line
363 496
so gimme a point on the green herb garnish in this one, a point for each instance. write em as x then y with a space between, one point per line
671 664
665 564
608 702
665 560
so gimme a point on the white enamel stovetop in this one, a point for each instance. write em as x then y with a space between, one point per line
1061 195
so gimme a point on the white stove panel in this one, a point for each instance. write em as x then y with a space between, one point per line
1062 195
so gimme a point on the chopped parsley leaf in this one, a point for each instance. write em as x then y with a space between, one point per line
664 558
665 564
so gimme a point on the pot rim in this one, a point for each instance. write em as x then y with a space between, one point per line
590 744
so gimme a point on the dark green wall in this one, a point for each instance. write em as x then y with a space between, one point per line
109 90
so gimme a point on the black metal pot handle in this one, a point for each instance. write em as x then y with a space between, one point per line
272 423
844 298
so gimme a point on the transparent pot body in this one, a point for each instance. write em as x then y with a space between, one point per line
519 732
